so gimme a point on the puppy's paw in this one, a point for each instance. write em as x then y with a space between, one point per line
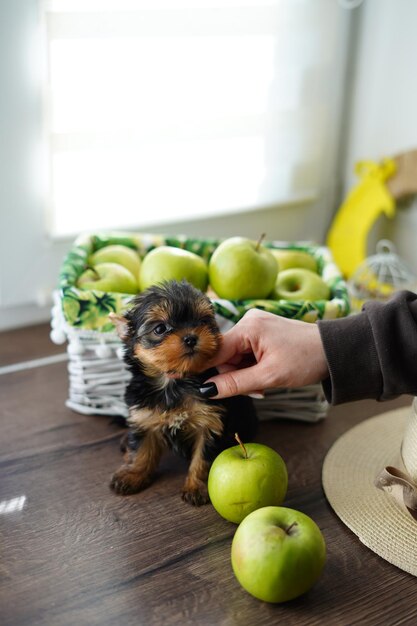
126 481
195 494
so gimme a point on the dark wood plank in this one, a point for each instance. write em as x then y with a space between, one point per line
78 554
24 344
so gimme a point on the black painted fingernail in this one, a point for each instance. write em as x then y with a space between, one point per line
208 390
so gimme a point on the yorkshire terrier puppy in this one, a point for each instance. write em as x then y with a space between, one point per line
169 335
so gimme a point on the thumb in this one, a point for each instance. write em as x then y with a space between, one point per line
233 383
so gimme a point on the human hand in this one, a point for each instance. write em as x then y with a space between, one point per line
264 351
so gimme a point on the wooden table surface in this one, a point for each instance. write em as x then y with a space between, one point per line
76 553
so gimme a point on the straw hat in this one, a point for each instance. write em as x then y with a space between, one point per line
370 480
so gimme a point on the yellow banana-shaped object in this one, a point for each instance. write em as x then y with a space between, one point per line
348 233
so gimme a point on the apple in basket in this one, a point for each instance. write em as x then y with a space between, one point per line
127 257
246 477
108 277
294 258
300 284
277 553
242 269
170 263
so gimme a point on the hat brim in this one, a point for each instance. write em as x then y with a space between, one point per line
349 471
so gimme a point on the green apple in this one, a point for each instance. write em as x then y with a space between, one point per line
108 277
170 263
242 269
300 284
278 553
117 254
294 258
245 478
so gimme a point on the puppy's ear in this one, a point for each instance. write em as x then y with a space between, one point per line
121 324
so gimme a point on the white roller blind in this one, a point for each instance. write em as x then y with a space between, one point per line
159 111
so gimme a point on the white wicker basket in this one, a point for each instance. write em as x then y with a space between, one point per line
98 377
97 373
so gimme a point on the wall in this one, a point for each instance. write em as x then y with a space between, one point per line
29 259
384 105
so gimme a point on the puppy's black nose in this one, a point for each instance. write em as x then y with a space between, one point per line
190 340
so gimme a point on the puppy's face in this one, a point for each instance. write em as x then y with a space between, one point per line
171 329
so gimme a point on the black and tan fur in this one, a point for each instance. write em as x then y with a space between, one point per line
170 334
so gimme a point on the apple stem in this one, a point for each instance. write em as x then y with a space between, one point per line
93 269
260 240
287 530
238 439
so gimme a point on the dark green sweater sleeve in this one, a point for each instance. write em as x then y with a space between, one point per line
372 354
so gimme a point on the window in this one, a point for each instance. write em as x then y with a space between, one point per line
166 110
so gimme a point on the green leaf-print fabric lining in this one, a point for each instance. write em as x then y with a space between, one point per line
88 310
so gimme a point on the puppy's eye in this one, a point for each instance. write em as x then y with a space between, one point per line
160 329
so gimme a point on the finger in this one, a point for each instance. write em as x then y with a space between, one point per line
237 362
233 383
229 350
234 342
225 367
257 395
